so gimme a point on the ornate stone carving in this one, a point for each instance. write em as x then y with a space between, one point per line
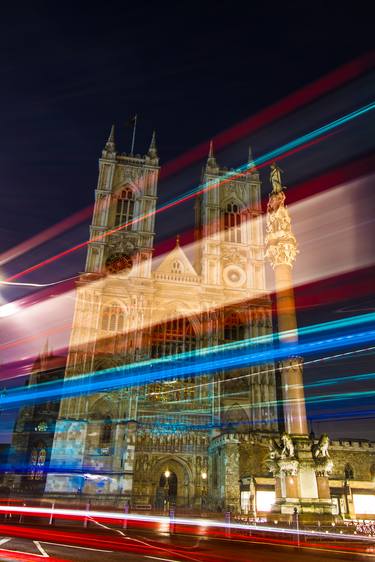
323 467
232 255
287 450
289 466
281 244
281 456
320 450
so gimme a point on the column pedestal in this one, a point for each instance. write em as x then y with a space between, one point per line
302 482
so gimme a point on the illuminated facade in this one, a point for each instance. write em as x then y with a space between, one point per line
212 441
130 308
29 456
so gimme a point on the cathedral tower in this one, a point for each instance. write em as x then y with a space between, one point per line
230 260
113 303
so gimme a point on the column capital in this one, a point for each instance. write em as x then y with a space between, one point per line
281 244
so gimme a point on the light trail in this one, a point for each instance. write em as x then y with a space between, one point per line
38 285
318 213
289 104
266 371
207 360
229 176
200 522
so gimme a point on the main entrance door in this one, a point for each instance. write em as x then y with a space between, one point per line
166 493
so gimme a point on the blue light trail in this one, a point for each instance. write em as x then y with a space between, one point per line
203 361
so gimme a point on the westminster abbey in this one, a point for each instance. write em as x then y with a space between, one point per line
131 307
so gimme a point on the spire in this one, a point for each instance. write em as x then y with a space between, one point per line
211 160
177 241
110 144
152 151
250 159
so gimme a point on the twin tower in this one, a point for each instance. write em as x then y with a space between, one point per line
132 307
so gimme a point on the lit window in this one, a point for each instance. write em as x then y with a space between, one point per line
125 208
37 461
265 500
173 337
232 223
364 504
234 329
113 318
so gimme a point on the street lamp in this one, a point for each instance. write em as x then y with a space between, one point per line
204 475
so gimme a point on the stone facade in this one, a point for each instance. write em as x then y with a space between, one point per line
29 455
212 441
131 307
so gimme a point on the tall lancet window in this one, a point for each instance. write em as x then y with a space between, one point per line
113 318
234 328
174 336
232 223
125 208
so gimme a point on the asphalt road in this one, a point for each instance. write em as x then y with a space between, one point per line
191 549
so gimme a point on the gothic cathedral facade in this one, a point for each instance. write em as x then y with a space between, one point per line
132 307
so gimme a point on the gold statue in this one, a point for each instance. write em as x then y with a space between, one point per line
275 178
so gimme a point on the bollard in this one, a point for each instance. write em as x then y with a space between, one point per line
171 520
296 515
86 520
126 511
51 516
227 523
21 516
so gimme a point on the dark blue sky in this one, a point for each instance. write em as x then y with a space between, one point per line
68 71
189 70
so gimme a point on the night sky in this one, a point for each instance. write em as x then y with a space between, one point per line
188 70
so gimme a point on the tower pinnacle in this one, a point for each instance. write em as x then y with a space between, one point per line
211 160
110 147
152 151
250 159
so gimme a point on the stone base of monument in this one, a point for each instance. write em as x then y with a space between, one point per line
301 480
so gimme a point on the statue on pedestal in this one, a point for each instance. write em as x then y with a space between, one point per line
275 178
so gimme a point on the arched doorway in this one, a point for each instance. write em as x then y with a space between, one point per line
172 483
166 493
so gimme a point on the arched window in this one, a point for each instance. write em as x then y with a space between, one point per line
234 329
125 208
232 223
113 318
37 461
174 336
348 472
106 432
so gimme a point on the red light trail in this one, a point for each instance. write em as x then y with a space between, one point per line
287 105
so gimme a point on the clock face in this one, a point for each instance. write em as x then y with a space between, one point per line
234 276
117 263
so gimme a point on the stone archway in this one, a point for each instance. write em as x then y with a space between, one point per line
178 487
